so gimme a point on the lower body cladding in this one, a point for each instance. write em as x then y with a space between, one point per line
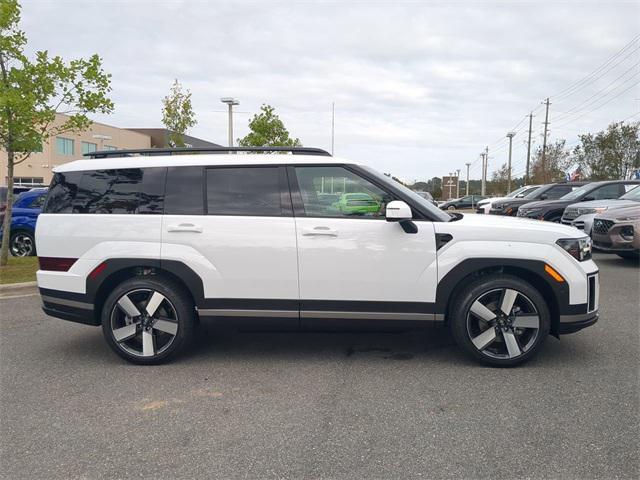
314 315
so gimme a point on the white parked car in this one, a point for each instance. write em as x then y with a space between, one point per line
484 206
581 215
148 245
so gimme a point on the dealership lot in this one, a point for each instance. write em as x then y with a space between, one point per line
321 405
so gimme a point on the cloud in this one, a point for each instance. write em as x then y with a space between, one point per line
420 87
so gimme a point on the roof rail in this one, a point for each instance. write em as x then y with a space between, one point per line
222 150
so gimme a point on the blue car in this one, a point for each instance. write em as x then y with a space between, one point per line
24 215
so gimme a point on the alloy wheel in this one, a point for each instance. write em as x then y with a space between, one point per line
503 323
144 322
22 245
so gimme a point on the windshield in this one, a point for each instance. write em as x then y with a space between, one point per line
433 210
578 192
516 192
633 194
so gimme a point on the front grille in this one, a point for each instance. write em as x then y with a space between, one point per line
570 214
602 226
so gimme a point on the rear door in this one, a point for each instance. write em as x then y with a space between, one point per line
233 226
354 265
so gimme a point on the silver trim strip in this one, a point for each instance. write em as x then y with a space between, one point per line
68 303
578 318
219 312
367 315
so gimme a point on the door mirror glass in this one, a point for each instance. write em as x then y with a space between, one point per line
397 211
544 196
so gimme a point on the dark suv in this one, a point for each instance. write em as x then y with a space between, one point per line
552 210
550 191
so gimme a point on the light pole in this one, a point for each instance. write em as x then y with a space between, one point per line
231 102
458 183
468 165
510 137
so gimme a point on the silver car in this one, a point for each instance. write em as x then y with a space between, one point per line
580 215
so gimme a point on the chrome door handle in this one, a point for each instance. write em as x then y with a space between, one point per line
319 232
185 227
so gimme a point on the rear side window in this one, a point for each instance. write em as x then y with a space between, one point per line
251 191
558 191
185 191
122 191
613 190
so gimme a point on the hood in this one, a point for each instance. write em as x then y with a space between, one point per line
632 211
495 227
611 203
511 201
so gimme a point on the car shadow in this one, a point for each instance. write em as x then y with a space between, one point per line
615 261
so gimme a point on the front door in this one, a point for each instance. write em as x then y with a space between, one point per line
353 264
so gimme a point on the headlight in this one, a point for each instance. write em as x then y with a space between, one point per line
578 248
588 210
533 211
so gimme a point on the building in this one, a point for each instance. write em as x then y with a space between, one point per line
37 169
160 138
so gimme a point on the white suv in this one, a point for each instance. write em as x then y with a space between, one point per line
147 243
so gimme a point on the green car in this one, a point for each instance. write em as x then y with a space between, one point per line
357 204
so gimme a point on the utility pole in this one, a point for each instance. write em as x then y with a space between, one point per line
544 142
485 161
450 184
230 101
510 137
526 174
333 125
458 183
468 165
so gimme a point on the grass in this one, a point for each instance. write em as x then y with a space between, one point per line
19 269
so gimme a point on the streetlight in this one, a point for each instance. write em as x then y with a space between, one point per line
510 136
231 102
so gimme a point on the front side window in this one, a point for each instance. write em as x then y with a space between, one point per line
559 191
253 191
88 147
337 192
64 146
612 190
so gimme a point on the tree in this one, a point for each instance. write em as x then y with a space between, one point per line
555 165
267 130
177 114
32 92
611 153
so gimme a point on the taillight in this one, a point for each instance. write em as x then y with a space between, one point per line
56 264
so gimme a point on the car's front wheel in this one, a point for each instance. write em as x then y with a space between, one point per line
500 320
451 207
146 320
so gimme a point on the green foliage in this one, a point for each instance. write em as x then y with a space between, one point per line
32 91
267 130
611 153
177 114
554 166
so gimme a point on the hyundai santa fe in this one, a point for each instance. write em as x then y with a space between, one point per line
146 244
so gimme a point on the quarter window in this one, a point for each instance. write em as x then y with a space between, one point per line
64 146
337 192
251 191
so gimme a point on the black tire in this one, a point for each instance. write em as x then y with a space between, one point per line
176 310
528 303
22 244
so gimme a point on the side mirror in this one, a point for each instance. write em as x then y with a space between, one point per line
397 211
544 196
520 195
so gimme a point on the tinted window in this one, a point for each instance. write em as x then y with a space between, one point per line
243 191
557 191
613 190
356 196
184 194
123 191
62 192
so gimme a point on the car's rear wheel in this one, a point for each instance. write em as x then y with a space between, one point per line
146 320
500 320
22 244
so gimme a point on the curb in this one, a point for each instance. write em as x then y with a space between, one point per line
18 288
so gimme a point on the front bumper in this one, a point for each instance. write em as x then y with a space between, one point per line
574 323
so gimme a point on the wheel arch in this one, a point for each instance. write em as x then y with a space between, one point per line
532 271
115 271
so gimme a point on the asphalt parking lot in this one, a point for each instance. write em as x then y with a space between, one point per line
321 405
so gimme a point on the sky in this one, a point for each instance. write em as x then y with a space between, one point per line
420 88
